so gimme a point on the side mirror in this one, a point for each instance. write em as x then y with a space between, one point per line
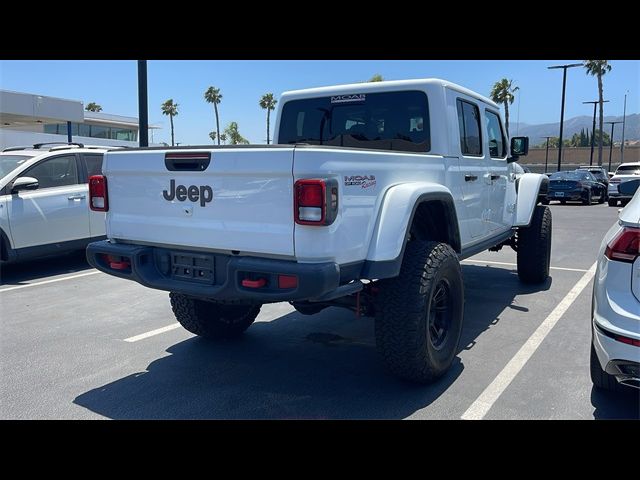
629 187
25 183
519 146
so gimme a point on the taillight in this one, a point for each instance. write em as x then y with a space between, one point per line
98 195
315 201
625 246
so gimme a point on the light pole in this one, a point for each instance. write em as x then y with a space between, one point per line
564 87
546 155
611 144
593 131
143 111
624 120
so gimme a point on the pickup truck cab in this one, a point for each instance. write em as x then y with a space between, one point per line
369 198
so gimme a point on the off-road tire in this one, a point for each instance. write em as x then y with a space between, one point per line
307 309
212 320
419 313
534 247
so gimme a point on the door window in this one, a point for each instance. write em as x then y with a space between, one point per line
55 172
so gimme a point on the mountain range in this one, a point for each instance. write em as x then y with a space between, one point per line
574 125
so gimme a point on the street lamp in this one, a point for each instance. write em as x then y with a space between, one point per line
611 144
593 131
546 155
624 121
143 111
564 87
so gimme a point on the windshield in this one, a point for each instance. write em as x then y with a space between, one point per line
8 163
386 121
628 170
571 176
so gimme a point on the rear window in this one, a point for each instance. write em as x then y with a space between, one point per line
577 175
628 169
385 121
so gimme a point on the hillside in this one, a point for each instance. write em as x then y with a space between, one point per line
574 125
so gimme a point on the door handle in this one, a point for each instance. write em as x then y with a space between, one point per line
495 177
470 178
77 197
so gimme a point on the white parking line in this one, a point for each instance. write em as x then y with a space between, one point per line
487 262
71 277
157 331
485 401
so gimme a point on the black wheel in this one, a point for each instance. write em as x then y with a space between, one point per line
212 320
534 247
563 202
623 203
612 202
587 198
602 198
419 313
599 377
307 308
545 201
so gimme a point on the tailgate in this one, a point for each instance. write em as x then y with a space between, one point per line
242 200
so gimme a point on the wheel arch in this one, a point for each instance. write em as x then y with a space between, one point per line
432 216
530 186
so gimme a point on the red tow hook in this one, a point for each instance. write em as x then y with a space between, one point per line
117 263
261 282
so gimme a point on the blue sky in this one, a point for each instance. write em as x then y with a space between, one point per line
113 84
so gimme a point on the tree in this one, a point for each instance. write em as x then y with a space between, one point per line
213 135
213 95
606 139
268 102
503 92
598 68
223 138
171 109
233 134
93 107
377 78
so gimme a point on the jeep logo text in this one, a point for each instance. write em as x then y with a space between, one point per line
204 193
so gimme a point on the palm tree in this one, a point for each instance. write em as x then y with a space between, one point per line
223 138
598 68
377 78
268 102
503 92
234 135
213 136
93 107
213 95
171 109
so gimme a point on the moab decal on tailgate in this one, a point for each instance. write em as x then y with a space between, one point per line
364 181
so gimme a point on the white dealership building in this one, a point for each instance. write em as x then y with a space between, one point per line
27 119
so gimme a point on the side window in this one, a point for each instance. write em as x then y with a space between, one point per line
469 125
496 135
55 172
93 164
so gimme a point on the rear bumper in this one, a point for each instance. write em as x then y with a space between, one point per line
566 194
153 267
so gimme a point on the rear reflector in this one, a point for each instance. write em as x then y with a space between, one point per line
117 262
259 283
287 281
625 246
98 194
628 341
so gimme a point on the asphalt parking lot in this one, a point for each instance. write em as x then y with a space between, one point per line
79 344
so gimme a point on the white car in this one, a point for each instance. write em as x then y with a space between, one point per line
44 200
625 172
615 351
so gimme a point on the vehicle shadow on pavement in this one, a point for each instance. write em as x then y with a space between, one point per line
293 367
42 268
616 405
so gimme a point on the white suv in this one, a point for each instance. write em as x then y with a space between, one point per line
615 351
43 199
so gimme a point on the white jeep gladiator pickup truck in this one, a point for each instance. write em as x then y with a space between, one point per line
369 198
